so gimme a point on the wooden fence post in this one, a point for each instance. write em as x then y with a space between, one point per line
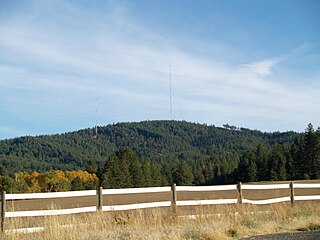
240 196
291 193
3 209
100 201
174 197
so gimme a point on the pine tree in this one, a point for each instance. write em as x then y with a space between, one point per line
312 151
262 162
252 169
146 168
167 174
297 154
199 178
92 166
135 169
125 156
247 168
317 159
278 164
208 172
77 185
111 176
183 174
155 175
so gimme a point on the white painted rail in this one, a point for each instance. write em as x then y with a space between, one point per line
206 188
206 202
50 212
20 196
158 204
136 206
136 190
264 186
306 185
305 198
267 201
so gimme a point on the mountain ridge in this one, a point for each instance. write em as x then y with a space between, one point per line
157 140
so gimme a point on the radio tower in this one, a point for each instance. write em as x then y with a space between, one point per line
96 127
170 91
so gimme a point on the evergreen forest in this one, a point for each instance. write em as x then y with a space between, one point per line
159 153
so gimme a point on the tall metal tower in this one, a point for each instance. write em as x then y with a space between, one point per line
170 91
96 127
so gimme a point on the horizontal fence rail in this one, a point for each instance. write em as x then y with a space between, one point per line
267 201
206 188
50 212
135 190
174 202
307 185
136 206
23 196
265 187
206 202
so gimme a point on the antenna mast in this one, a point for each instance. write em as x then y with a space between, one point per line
170 91
96 127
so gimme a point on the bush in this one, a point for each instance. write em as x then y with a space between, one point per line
249 223
232 232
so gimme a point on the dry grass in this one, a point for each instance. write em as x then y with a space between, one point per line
207 222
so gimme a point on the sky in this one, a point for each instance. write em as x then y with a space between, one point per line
71 64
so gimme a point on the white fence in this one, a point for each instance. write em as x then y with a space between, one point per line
174 190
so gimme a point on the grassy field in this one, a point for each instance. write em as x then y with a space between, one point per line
210 222
188 222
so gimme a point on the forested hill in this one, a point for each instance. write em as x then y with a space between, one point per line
160 141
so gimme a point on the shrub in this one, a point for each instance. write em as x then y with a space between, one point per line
232 232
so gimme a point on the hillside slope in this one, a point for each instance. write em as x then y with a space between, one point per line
159 141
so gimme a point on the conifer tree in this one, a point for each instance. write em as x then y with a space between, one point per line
167 174
77 185
183 174
135 169
312 151
252 169
125 155
155 175
278 164
146 169
297 154
111 176
247 169
199 178
92 166
261 154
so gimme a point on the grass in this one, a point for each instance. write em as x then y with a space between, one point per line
310 227
194 223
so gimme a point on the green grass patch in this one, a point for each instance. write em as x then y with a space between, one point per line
232 232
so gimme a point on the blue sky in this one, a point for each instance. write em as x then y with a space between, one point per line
253 64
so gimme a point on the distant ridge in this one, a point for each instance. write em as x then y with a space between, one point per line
158 140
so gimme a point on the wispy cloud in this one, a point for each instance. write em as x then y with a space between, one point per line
106 55
261 68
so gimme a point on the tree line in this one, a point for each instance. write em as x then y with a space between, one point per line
283 161
299 160
52 181
209 159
